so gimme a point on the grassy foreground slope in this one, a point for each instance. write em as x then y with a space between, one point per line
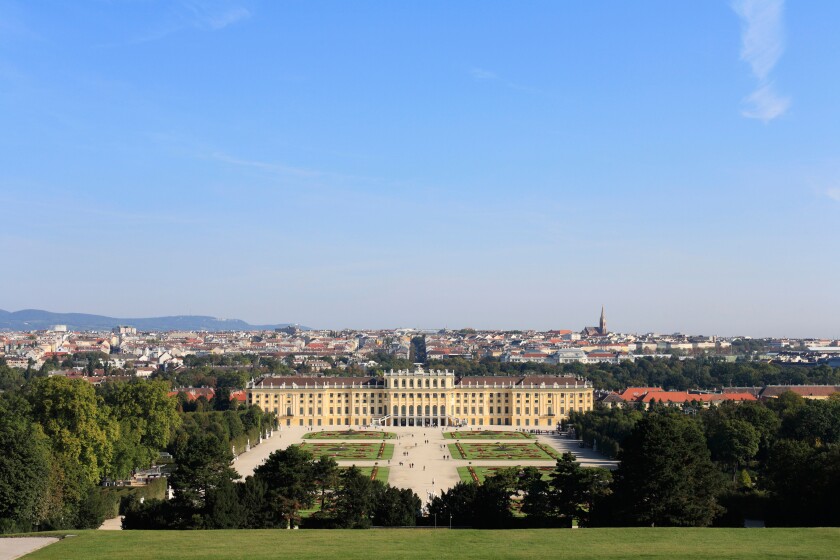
460 544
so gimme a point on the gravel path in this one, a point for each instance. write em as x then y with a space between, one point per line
15 547
433 471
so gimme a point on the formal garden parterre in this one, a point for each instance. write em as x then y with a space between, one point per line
533 451
487 434
479 474
349 434
350 451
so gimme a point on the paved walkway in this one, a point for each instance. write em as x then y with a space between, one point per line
15 547
433 470
113 524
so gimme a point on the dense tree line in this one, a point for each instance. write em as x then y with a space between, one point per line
61 438
670 374
779 463
776 461
207 495
235 429
516 497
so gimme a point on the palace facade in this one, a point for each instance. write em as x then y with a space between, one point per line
422 398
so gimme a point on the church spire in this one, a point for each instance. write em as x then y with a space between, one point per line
603 323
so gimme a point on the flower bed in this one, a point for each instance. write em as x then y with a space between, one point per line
349 434
479 474
350 451
487 434
548 450
507 451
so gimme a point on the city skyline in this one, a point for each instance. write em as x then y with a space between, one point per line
40 321
381 165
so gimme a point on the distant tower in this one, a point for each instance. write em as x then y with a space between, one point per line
603 323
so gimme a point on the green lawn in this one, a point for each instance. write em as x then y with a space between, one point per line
483 472
487 434
506 451
351 451
382 473
349 434
419 544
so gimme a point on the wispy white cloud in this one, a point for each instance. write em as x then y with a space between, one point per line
271 167
214 16
765 104
205 15
762 44
833 194
482 74
762 36
303 174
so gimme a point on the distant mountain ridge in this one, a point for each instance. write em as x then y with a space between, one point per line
37 319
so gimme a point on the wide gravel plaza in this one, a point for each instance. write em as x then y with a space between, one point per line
422 460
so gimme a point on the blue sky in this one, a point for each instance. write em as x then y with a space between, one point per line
430 164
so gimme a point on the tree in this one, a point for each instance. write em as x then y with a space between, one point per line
326 473
575 490
396 507
288 475
224 508
492 503
733 442
253 495
355 501
79 428
10 378
221 398
146 415
24 471
203 465
666 476
805 481
536 502
458 502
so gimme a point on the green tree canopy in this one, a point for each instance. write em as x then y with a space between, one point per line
666 476
24 471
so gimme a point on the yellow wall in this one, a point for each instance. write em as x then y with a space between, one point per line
486 405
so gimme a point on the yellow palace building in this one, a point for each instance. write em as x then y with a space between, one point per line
422 398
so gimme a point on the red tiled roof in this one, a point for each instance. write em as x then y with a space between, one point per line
684 396
193 393
636 393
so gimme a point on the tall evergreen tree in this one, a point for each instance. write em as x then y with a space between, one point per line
666 476
290 481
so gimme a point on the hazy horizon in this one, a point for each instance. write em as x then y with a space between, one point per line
568 326
470 164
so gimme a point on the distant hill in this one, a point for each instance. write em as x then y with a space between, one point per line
36 319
